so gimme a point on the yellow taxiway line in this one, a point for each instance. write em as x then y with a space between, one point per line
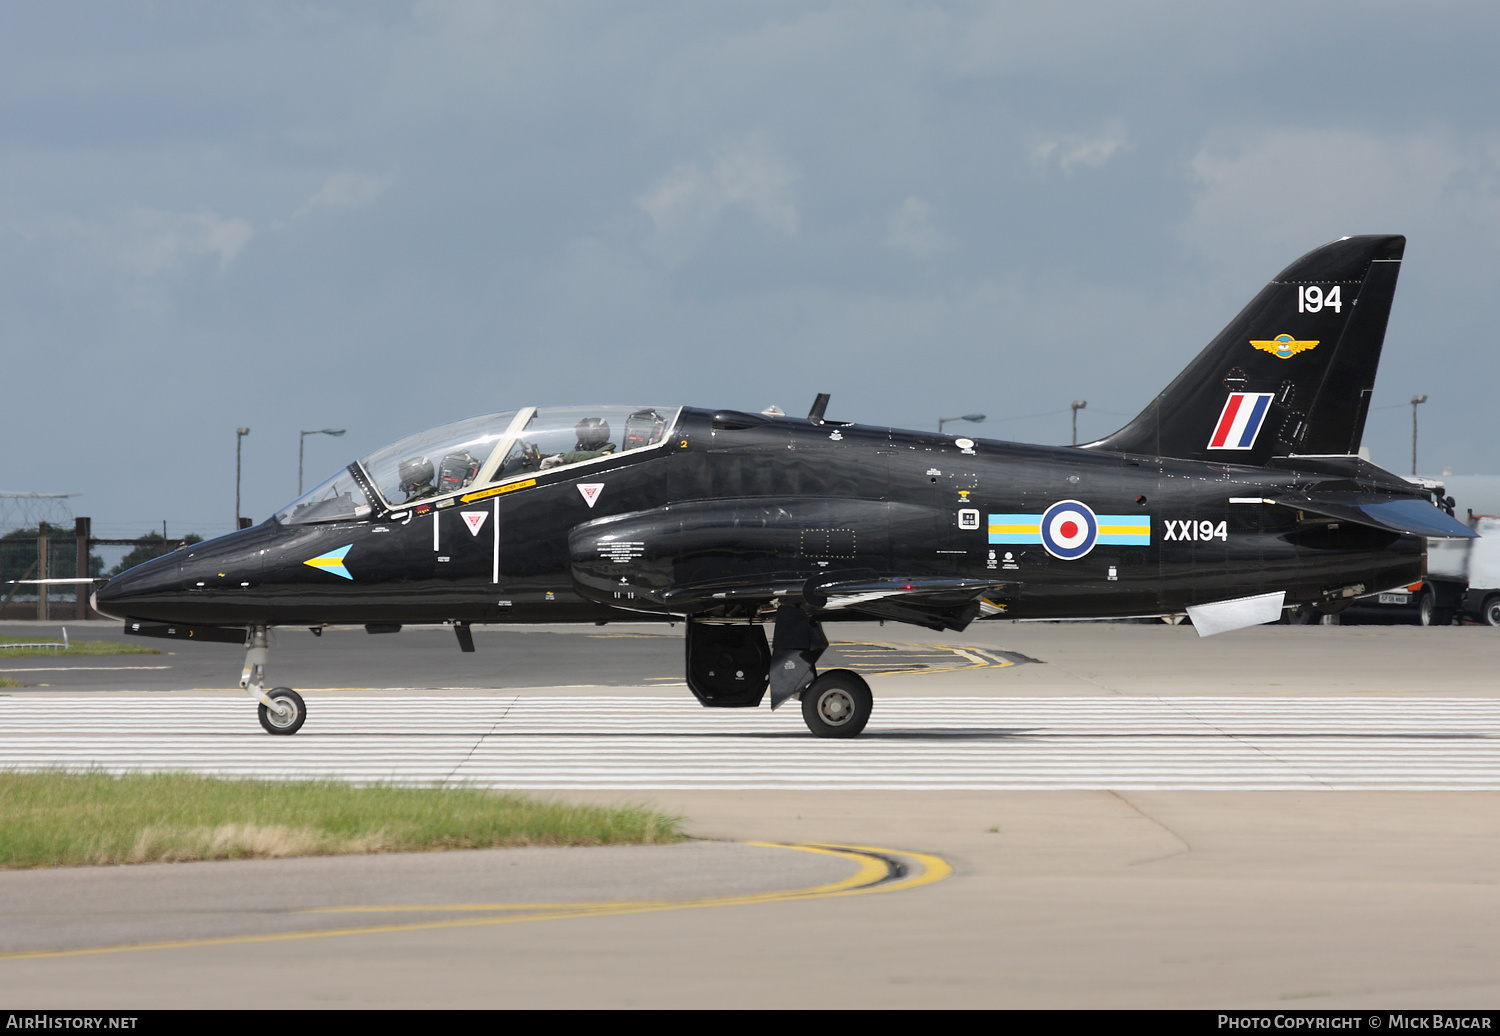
880 870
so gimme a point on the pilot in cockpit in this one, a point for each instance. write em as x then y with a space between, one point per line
593 441
456 472
416 474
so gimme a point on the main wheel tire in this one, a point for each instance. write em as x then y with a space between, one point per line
278 723
1427 609
837 704
1302 615
1492 611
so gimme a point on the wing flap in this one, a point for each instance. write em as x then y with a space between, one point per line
939 603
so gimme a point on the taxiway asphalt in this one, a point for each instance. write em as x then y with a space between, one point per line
1134 887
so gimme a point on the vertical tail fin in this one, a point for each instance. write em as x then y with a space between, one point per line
1291 374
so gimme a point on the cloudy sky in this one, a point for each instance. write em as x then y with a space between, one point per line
385 216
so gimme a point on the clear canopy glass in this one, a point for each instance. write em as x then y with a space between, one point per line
481 451
437 461
554 437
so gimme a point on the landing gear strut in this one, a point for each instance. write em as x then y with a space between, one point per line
281 709
834 704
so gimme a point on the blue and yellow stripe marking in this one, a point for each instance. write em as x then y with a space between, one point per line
1121 530
1016 528
332 562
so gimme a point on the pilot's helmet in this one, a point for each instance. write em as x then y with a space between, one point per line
593 433
415 473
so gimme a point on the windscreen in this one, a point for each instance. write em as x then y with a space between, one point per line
337 500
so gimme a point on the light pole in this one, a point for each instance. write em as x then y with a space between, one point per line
302 441
1415 400
976 418
1078 404
239 437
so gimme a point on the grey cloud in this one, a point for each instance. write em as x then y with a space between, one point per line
914 206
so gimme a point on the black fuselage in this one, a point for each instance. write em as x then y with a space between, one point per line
734 500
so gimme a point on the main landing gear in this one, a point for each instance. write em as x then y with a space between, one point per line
837 704
281 709
730 665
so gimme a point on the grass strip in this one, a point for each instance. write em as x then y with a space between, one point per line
76 647
54 818
6 681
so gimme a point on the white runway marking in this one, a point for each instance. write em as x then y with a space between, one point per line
538 743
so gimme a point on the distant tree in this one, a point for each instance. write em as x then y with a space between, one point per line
146 551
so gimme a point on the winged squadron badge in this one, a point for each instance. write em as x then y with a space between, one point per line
1283 346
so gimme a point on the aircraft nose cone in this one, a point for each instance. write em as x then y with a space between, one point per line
123 596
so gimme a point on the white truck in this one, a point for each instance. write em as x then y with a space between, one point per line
1476 563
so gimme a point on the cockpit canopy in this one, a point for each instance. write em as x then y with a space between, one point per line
482 451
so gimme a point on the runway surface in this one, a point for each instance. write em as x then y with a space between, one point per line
639 743
1100 790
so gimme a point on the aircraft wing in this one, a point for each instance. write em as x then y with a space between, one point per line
938 603
1406 515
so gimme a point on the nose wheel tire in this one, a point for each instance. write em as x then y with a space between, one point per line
837 704
289 718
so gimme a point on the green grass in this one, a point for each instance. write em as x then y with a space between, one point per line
76 647
54 818
6 681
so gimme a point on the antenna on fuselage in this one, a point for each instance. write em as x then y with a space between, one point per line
815 415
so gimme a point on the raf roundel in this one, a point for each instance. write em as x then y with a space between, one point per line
1069 530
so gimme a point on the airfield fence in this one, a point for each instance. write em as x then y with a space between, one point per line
54 552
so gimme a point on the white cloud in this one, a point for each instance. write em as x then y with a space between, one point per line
746 172
910 229
147 242
1265 196
1070 152
344 191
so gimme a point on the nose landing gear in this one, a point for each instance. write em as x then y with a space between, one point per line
281 710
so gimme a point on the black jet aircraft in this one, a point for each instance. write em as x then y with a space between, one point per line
1237 492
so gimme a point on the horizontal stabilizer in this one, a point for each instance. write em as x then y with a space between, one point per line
1223 616
1405 515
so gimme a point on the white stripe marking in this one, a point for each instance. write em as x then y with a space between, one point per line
512 741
